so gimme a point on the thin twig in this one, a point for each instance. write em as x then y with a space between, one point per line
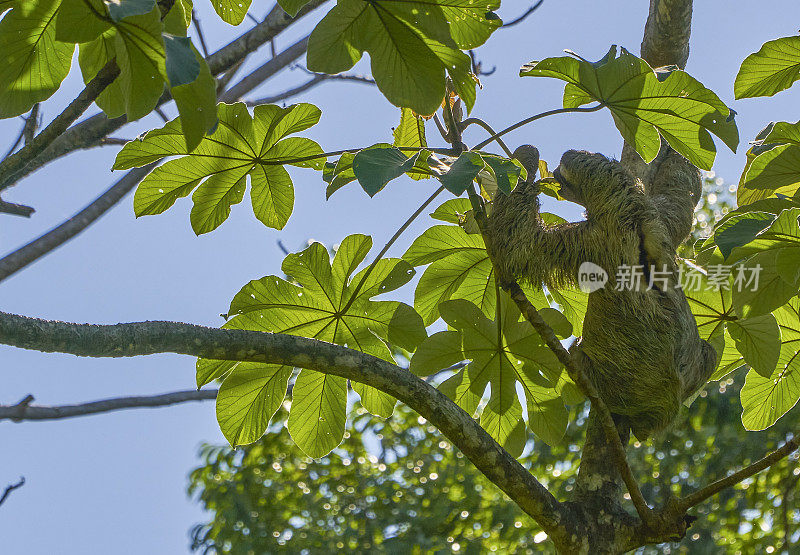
469 121
317 79
16 209
25 411
10 488
23 256
12 166
714 488
524 16
200 34
31 123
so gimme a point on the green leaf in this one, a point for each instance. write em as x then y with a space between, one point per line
137 45
678 107
505 173
231 11
502 352
765 400
338 174
241 146
440 241
374 167
451 211
759 341
209 370
770 70
331 306
462 172
77 21
411 130
741 230
197 104
440 350
318 412
573 303
119 10
248 398
412 46
182 66
771 292
34 62
292 6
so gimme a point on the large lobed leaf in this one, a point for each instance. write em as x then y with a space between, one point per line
503 352
328 303
242 146
645 105
770 70
412 45
773 165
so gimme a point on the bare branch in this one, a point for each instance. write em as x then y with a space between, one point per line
710 490
23 410
10 488
31 124
12 167
16 209
144 338
524 16
22 257
89 132
265 71
310 84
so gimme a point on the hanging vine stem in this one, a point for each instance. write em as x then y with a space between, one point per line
531 119
649 518
389 244
477 121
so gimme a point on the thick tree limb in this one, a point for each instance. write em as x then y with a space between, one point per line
25 411
90 132
13 166
25 255
667 32
145 338
10 488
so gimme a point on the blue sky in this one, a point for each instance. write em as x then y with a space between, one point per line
116 483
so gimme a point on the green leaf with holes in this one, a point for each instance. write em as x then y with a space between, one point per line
646 106
766 399
242 146
231 11
770 70
412 45
503 352
328 302
248 398
34 62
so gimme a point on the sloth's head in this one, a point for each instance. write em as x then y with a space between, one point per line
589 178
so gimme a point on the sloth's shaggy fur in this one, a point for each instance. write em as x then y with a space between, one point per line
641 347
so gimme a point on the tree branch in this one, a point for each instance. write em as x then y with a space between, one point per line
524 16
265 71
23 256
14 165
90 132
317 79
667 33
10 488
145 338
701 495
25 411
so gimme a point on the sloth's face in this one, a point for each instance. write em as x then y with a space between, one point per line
577 171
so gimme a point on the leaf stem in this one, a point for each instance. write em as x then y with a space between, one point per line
469 121
389 244
534 118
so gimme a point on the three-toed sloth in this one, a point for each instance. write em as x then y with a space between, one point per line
640 344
